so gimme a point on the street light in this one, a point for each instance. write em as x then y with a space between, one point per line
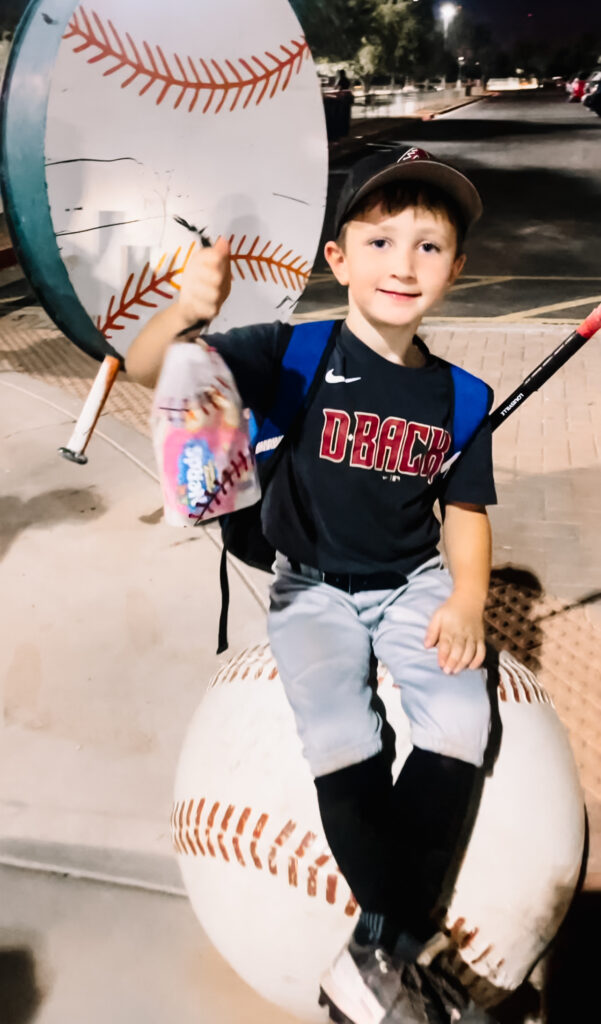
460 63
447 13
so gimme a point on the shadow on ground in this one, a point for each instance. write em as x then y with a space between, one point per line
571 991
20 995
44 510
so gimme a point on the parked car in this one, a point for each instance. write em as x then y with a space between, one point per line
575 86
592 99
591 83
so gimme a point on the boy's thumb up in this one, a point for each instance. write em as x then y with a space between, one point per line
222 246
222 251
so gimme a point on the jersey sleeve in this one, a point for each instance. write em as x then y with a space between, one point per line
471 478
254 354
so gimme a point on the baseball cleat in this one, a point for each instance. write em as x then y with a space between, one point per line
360 986
365 986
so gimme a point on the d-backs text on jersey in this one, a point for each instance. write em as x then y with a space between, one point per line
391 445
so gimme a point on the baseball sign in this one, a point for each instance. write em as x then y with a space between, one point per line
130 129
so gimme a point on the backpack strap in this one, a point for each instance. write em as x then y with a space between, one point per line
472 399
309 347
306 348
471 404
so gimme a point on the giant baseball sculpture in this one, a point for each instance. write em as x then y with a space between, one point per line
121 120
263 883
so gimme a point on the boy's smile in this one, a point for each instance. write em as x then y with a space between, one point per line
396 267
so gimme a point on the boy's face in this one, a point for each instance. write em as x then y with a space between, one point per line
396 265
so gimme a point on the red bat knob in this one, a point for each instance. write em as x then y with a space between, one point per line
591 325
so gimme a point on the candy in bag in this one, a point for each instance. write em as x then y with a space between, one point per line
200 433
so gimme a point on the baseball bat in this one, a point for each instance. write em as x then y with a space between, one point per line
536 379
547 368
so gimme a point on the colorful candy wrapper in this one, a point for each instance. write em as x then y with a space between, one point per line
201 438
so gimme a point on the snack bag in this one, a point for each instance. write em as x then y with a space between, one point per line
201 438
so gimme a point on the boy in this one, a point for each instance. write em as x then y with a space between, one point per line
358 573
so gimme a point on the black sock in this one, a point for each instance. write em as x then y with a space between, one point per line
376 930
396 846
354 804
431 802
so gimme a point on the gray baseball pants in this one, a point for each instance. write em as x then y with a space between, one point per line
322 639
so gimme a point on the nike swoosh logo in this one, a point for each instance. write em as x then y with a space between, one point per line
333 378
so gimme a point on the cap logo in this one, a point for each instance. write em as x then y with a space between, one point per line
414 154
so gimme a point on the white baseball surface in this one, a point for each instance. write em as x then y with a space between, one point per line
264 885
210 112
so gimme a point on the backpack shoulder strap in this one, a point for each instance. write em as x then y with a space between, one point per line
472 402
307 347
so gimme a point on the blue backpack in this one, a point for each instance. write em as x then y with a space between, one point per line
303 365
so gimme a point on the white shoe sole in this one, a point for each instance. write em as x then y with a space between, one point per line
347 996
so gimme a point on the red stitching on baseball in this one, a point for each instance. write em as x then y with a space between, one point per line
331 886
174 829
199 810
522 681
312 873
284 835
468 938
293 871
351 907
209 826
226 818
180 825
186 841
221 845
306 842
220 80
256 836
224 825
239 831
142 290
513 684
189 838
285 269
482 955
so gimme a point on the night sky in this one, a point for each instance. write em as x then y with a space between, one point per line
551 21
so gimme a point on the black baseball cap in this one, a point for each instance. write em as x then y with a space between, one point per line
407 164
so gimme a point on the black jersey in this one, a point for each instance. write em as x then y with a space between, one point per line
355 491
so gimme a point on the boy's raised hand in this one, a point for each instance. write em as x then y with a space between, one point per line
206 283
457 629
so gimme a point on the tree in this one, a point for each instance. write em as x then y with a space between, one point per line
335 29
365 64
474 42
578 55
399 40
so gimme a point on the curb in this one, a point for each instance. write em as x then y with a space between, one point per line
382 125
426 112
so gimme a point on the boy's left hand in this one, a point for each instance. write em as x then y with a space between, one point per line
457 629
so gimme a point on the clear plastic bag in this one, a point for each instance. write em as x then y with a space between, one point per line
200 433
